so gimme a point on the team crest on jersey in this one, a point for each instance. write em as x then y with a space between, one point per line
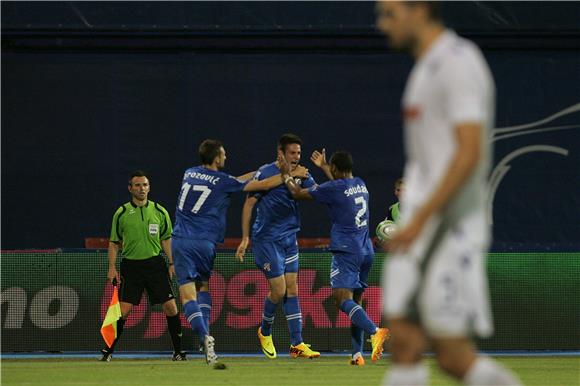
267 267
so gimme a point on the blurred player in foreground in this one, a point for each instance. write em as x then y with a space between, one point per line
142 228
347 199
435 286
200 222
275 249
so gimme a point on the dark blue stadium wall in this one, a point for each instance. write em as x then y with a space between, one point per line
77 119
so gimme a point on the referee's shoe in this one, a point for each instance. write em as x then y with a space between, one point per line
179 356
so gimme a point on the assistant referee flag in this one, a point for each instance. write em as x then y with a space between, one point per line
109 327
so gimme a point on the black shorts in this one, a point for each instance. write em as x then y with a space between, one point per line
151 275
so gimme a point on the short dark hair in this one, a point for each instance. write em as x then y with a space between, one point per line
342 160
208 150
288 139
433 8
137 173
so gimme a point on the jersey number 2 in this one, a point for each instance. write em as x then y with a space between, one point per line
205 192
360 201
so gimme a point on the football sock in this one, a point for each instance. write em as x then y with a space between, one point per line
357 336
120 325
174 327
195 318
294 319
268 316
358 316
486 371
204 301
407 375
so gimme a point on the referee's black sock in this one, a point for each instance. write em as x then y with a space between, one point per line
174 326
120 325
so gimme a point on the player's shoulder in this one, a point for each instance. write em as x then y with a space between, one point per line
461 53
122 208
157 206
267 170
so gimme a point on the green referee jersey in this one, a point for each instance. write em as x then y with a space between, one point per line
141 229
394 213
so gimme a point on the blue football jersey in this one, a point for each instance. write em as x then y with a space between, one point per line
277 214
203 202
348 205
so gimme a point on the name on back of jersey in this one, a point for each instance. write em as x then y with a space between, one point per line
355 189
204 177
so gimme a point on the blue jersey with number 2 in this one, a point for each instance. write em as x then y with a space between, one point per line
203 202
348 204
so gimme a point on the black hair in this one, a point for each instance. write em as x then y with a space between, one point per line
288 139
208 150
342 160
433 8
137 173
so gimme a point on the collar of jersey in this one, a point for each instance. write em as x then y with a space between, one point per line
135 206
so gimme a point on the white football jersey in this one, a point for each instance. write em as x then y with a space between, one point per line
451 84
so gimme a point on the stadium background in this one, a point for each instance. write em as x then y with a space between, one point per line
92 91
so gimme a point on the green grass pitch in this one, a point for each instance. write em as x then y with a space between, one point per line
553 371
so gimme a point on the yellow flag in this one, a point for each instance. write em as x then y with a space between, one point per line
109 327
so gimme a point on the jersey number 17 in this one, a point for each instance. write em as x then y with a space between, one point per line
186 188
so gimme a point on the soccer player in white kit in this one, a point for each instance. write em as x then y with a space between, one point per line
435 286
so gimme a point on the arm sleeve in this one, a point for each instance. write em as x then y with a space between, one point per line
321 193
233 185
257 177
167 227
116 231
308 182
465 92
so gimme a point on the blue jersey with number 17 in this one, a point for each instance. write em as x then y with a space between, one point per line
348 204
203 202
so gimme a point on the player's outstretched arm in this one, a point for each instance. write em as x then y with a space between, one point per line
319 159
461 167
112 256
274 181
246 177
246 218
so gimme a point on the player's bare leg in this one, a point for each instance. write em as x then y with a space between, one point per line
458 358
406 346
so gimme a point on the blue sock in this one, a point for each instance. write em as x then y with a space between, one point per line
268 316
204 301
195 318
357 336
358 316
294 318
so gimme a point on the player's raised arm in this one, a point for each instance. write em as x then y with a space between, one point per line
468 137
319 159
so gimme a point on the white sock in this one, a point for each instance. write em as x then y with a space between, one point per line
487 372
407 375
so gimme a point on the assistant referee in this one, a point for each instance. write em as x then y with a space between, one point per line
142 227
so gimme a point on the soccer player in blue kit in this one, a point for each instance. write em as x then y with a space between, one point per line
347 200
200 222
275 248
